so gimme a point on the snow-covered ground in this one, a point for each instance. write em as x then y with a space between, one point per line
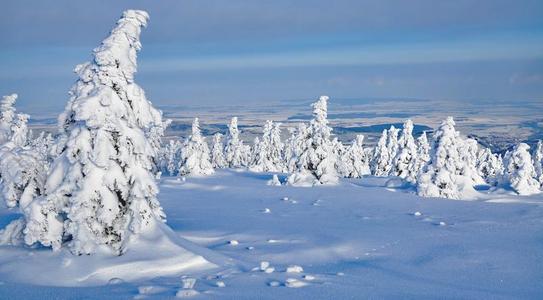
360 239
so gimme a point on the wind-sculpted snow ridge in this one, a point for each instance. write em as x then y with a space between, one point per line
156 252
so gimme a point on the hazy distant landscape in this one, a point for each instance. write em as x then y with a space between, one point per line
495 124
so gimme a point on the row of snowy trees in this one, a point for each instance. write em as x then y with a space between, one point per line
92 187
450 166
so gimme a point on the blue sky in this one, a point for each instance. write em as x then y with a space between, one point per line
221 52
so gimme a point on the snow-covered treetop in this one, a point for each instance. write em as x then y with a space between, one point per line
196 129
407 127
114 66
320 110
233 127
117 54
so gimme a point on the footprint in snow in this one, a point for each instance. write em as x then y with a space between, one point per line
187 288
429 219
295 283
151 289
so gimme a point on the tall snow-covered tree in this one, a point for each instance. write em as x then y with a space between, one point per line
195 158
101 191
355 159
404 164
538 161
317 163
217 152
236 153
489 165
446 174
268 155
519 171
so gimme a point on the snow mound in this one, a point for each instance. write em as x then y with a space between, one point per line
157 252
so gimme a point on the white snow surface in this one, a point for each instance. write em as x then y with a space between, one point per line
361 240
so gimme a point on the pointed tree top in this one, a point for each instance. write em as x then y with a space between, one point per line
449 121
196 127
117 54
408 126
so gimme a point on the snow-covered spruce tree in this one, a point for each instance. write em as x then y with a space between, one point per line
268 154
253 156
317 163
7 117
22 175
385 152
101 191
423 153
538 162
236 153
470 151
446 174
519 171
44 145
217 152
295 146
170 157
338 151
355 159
20 131
13 126
380 159
195 158
404 163
22 167
154 135
392 147
489 165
